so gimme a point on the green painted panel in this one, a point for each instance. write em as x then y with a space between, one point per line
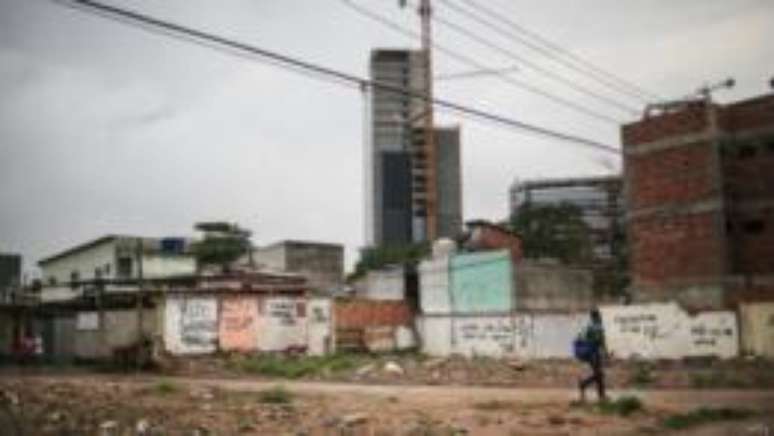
482 282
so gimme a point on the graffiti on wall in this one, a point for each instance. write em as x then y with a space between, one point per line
664 330
283 311
238 324
198 322
282 324
190 325
519 335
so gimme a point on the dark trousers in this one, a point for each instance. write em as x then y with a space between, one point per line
597 377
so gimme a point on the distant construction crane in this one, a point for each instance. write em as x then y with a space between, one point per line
428 202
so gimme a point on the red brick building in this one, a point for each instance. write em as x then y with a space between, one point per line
699 181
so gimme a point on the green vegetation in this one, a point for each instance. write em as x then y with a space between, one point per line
223 244
643 375
165 387
704 416
720 379
559 232
492 405
554 231
275 395
379 257
623 406
295 367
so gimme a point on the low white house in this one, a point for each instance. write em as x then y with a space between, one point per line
115 262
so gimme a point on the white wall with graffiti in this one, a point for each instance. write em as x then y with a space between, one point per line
666 331
528 336
243 323
652 331
191 325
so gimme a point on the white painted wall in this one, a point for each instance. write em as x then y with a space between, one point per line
385 285
158 265
282 324
665 331
434 286
84 261
190 325
321 327
272 257
524 336
652 331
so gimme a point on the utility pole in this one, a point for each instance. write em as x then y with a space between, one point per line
139 302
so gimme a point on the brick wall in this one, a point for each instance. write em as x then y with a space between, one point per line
671 175
490 237
679 235
665 249
359 314
691 120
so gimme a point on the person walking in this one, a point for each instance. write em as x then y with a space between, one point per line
590 347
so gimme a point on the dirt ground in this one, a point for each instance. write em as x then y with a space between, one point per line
418 369
142 405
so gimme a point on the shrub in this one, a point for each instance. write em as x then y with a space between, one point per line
623 406
275 395
703 416
166 387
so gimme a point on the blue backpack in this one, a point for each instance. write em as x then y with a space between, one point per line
583 349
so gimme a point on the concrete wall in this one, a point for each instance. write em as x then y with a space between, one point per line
320 326
322 264
191 324
238 328
666 331
545 287
272 257
526 336
654 331
757 325
387 284
282 324
160 265
85 262
120 330
434 295
482 282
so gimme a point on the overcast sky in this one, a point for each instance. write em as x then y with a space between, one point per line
106 128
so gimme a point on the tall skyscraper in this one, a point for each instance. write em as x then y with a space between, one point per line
396 162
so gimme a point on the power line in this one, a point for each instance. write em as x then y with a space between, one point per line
554 51
554 76
469 61
146 22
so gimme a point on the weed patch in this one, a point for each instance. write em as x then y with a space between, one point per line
166 387
492 405
704 416
275 395
295 367
623 406
642 375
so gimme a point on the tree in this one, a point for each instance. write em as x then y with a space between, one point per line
223 243
554 231
373 258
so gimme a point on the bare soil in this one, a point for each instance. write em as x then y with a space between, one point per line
143 405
